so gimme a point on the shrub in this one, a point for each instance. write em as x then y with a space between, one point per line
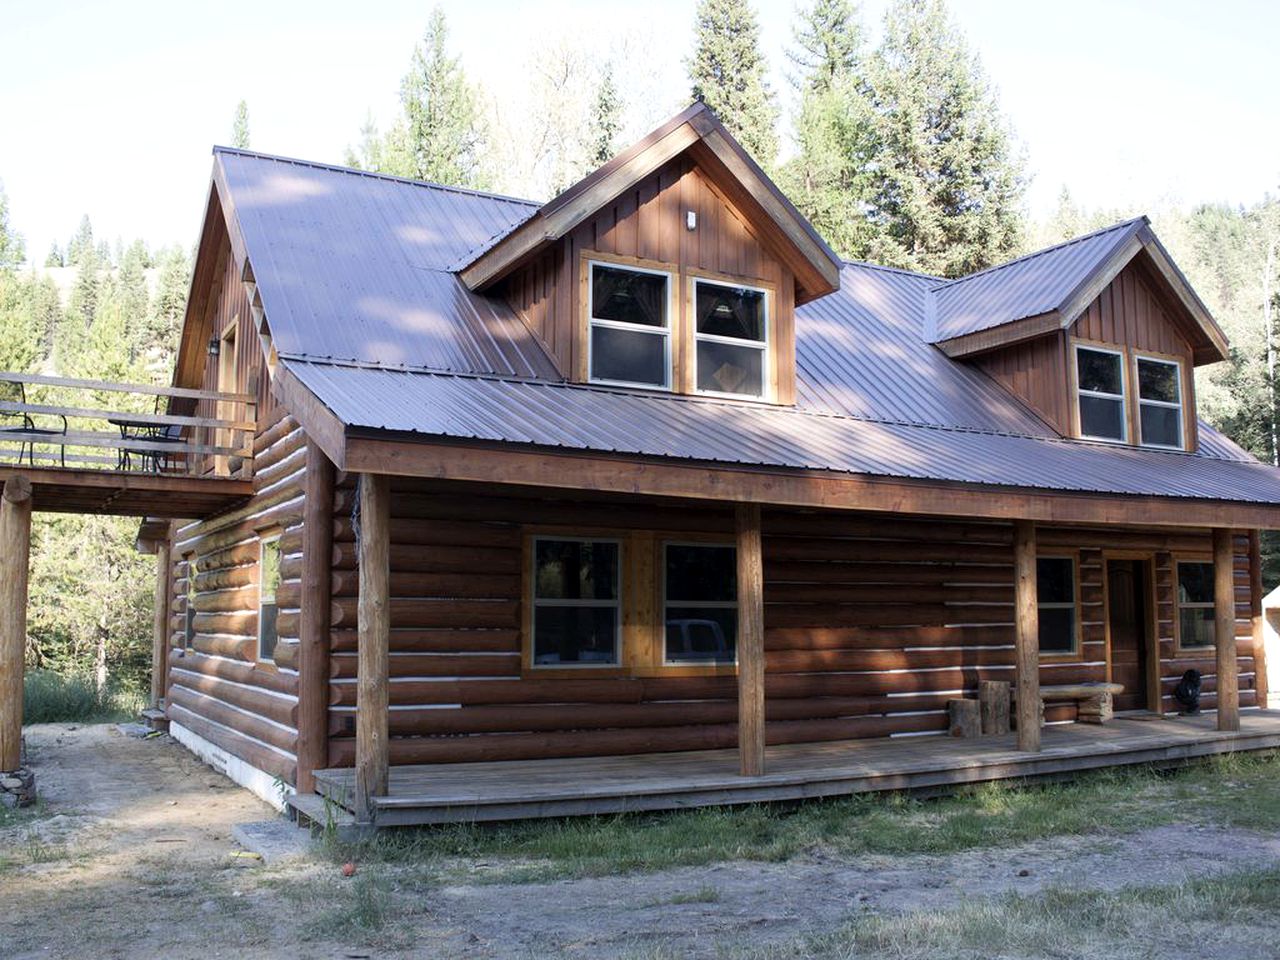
50 697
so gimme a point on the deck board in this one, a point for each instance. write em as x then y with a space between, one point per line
464 792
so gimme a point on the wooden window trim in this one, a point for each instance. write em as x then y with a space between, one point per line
1132 400
1179 650
1076 392
266 536
229 370
668 331
1177 364
1076 654
528 668
189 611
768 378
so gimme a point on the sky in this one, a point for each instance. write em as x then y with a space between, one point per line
110 109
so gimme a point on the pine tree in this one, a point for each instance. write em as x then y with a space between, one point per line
12 249
829 41
946 189
131 283
82 244
168 307
240 126
54 257
727 72
606 118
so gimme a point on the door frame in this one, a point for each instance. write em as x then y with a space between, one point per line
1155 702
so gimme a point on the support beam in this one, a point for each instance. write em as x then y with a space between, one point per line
1224 608
15 554
313 627
160 626
372 747
1027 635
750 640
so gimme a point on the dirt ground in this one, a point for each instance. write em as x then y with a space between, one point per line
131 856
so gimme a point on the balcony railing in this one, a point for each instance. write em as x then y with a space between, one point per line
62 422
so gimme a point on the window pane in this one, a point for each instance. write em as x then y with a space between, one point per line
1157 381
270 570
1055 578
631 356
1196 626
1195 583
725 368
576 570
730 312
1099 371
1057 630
267 634
1101 417
701 573
1162 425
575 635
628 296
707 635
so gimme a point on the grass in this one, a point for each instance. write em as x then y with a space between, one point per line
49 697
1241 790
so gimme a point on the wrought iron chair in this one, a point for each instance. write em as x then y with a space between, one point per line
24 426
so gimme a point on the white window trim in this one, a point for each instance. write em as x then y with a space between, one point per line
695 604
262 547
1122 396
761 345
1073 605
664 331
1179 605
535 602
1179 406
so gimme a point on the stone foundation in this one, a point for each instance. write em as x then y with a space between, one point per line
18 788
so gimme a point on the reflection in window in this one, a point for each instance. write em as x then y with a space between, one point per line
700 603
630 327
1100 393
269 583
731 334
1160 402
575 602
1056 599
1195 604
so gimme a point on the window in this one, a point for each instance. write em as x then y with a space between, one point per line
1195 605
189 621
731 339
630 326
1100 393
1159 402
576 602
700 603
1056 596
268 584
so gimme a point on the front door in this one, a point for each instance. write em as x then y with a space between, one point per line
1128 617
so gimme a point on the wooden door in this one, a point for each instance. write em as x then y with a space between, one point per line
1128 619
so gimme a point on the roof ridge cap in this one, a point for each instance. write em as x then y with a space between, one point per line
902 270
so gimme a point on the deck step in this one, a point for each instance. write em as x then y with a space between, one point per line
318 813
156 719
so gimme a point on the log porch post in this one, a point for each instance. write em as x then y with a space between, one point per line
750 640
15 554
1027 635
372 758
160 626
1224 608
313 628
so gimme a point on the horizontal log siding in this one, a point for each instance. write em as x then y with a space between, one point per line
216 686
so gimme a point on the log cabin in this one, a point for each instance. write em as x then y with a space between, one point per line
643 498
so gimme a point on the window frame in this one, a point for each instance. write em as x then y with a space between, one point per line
189 611
1180 406
1178 606
660 623
667 331
1122 396
530 599
765 346
1077 633
264 539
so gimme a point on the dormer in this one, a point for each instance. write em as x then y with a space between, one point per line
1098 336
675 267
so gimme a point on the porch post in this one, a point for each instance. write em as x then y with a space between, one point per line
750 641
374 623
160 627
313 630
1027 635
1224 608
15 554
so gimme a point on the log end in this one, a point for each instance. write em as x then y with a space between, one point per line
17 489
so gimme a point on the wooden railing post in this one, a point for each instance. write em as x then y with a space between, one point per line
1027 635
313 630
1224 608
374 623
15 555
160 627
751 739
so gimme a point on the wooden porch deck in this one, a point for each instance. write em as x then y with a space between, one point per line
510 790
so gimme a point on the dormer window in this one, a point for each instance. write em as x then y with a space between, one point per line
1159 402
1100 393
732 339
630 311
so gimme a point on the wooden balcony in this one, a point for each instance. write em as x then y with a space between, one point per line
91 446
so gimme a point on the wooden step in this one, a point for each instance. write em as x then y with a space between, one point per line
319 814
156 719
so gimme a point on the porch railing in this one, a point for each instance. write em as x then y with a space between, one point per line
79 424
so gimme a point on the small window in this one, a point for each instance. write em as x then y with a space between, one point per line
1056 596
576 602
1160 402
1100 386
700 603
1195 605
189 621
269 583
630 327
732 336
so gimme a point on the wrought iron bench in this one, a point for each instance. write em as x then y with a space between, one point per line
13 400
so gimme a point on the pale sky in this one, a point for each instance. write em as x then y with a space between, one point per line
110 108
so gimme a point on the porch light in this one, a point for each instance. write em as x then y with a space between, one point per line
215 346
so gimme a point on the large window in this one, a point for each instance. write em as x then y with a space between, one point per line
700 603
1056 596
576 602
1159 402
731 339
189 617
1100 393
1195 605
630 326
268 584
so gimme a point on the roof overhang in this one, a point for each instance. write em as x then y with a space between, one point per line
695 131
